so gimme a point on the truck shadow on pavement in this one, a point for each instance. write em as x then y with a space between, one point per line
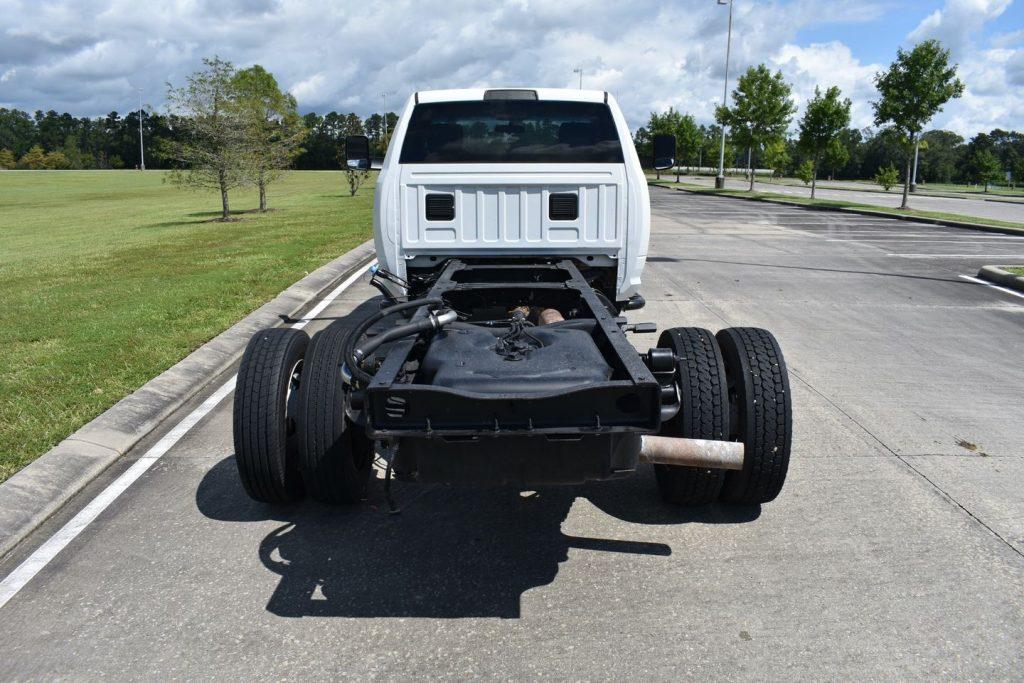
451 553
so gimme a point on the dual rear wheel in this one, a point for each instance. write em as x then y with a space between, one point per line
292 435
732 386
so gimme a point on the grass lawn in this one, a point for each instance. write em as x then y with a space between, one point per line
109 277
1016 270
972 189
837 203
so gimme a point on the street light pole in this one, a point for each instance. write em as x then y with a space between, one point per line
385 96
579 70
720 179
142 151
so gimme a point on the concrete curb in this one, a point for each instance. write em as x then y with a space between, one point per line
1003 278
35 493
863 212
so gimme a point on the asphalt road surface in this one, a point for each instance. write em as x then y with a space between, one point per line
979 208
896 549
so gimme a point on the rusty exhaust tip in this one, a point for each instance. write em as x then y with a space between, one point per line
667 450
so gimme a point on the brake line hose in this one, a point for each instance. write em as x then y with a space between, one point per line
352 361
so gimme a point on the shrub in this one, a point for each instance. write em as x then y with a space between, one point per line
805 171
887 177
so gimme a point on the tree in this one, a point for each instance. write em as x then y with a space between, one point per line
56 160
761 109
1017 171
853 140
805 172
212 148
17 131
913 90
7 160
33 160
688 140
985 168
944 158
826 116
776 157
887 177
837 155
710 146
273 129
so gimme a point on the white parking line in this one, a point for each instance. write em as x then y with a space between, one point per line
1006 290
42 556
911 240
1010 256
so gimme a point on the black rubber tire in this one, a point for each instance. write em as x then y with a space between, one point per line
761 414
263 429
703 414
335 455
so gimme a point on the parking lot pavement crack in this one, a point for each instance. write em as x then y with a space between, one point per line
906 463
961 506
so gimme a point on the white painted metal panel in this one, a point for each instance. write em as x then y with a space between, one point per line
502 209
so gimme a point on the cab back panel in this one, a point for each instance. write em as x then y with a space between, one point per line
502 209
493 213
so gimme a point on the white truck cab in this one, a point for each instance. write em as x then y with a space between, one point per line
513 173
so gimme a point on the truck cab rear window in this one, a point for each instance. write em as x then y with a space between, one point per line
511 131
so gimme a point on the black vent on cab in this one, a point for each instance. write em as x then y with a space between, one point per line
563 207
440 207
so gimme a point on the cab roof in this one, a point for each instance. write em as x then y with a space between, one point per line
473 94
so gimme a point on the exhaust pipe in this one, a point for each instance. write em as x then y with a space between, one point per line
669 450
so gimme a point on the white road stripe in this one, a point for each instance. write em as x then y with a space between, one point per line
911 240
993 285
334 294
42 556
999 256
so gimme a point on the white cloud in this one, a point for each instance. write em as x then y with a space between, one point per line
87 56
958 22
825 65
992 75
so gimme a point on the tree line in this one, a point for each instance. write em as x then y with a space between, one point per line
912 91
62 141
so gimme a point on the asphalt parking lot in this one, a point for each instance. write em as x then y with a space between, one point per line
1012 211
896 549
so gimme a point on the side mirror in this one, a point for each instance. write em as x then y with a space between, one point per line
357 152
664 151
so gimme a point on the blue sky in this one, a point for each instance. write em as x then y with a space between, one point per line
876 40
89 56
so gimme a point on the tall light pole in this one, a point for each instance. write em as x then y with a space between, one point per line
384 94
579 70
720 179
142 151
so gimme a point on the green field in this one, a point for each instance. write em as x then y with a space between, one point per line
109 277
1016 270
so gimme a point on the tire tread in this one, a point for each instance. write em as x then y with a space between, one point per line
259 427
767 437
704 414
